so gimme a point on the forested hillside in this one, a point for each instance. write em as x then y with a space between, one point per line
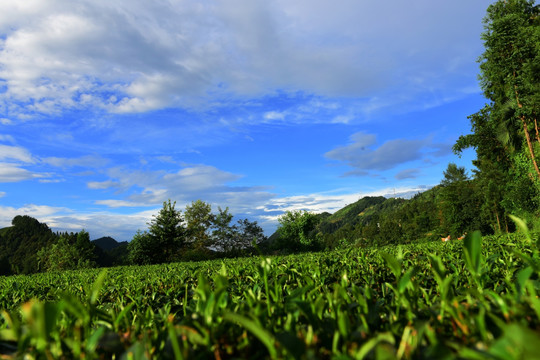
29 246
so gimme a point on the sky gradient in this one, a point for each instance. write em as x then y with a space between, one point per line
109 108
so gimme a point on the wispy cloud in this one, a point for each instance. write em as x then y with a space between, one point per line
364 157
151 188
88 161
15 153
407 174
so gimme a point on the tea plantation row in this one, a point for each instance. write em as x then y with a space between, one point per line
472 299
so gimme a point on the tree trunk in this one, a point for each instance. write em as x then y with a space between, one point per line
498 221
529 144
536 128
526 130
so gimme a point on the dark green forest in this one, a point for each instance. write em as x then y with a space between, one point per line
505 182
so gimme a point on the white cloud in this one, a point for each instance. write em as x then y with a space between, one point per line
151 188
103 184
274 115
134 56
39 212
15 153
119 203
2 194
407 174
14 173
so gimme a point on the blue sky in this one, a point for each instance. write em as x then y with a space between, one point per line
109 108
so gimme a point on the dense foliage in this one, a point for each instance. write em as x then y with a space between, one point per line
505 132
198 234
476 298
29 246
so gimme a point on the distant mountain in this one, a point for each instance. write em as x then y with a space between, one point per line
107 243
379 220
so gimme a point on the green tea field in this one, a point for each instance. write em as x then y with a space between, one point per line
475 299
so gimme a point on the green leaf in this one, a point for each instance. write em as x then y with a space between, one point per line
373 342
122 314
98 284
262 334
518 342
472 246
522 278
393 264
406 279
522 225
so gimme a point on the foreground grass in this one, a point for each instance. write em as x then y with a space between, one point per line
476 299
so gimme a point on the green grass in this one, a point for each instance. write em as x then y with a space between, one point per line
474 299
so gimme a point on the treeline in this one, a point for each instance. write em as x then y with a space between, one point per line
195 234
29 246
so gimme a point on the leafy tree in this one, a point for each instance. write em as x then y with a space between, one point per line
167 233
494 164
68 253
246 233
199 219
505 133
297 231
460 202
223 233
510 75
142 249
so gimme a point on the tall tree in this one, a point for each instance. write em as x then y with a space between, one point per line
248 232
459 202
223 232
142 249
199 219
163 240
167 233
510 72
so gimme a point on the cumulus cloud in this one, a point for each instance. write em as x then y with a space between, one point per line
151 188
364 157
15 153
134 56
7 213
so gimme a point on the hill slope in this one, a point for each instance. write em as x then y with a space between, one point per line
107 243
